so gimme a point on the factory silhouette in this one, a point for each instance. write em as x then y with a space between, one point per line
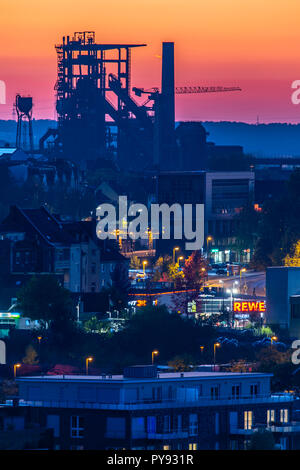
99 119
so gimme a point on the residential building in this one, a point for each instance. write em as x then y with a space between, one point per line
143 409
35 241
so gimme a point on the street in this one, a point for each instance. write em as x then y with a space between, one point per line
249 281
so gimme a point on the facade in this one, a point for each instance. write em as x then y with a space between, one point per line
283 290
226 193
142 409
34 241
223 193
38 243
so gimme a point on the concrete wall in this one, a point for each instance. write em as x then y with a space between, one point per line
281 283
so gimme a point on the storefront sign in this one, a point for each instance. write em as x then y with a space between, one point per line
259 306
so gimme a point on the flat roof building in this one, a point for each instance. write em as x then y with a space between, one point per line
144 409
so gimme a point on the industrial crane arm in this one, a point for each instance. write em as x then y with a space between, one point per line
181 90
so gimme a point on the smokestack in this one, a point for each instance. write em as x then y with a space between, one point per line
167 87
166 118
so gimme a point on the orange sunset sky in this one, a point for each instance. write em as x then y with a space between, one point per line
251 43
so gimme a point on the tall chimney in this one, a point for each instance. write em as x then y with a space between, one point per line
167 106
167 84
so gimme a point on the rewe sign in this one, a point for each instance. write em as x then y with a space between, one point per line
248 307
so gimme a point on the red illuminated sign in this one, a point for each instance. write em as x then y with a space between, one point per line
248 307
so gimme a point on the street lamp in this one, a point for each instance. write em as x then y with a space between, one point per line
176 248
144 264
273 338
216 345
16 366
154 353
201 349
209 239
180 259
39 338
88 359
243 270
205 274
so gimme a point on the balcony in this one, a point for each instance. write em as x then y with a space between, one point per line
281 428
163 403
180 434
285 428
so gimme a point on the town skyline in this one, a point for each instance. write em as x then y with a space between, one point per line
252 46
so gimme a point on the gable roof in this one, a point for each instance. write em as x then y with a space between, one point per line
41 221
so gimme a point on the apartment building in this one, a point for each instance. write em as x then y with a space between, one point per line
144 409
35 241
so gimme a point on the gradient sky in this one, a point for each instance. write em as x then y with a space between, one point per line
251 43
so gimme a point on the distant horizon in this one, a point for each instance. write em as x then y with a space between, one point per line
185 120
255 48
263 140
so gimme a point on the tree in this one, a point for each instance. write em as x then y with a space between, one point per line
45 300
293 259
31 357
262 439
135 262
238 366
174 273
195 270
155 328
182 363
247 227
279 227
162 268
120 286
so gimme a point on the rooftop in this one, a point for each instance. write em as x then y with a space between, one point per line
160 376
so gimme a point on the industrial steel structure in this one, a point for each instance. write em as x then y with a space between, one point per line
23 106
98 117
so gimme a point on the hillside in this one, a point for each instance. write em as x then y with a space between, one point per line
261 140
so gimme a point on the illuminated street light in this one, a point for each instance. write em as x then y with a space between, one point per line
216 345
16 366
201 349
144 265
154 353
176 248
209 240
273 338
87 361
39 338
243 270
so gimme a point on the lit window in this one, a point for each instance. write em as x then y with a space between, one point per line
248 419
77 426
284 416
166 447
193 446
270 416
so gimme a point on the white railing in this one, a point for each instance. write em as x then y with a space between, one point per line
163 403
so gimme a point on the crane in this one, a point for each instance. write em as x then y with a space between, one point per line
182 90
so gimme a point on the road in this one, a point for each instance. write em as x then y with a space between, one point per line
250 280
